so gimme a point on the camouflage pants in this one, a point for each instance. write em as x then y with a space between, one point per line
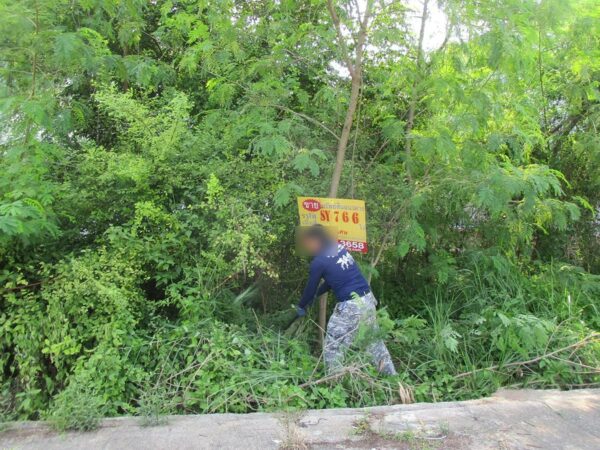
342 329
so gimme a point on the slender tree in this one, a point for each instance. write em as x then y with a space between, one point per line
353 62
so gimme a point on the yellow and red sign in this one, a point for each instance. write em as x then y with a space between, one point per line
347 216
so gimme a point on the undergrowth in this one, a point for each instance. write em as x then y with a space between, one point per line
481 333
466 341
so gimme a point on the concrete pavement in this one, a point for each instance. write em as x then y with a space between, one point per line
520 419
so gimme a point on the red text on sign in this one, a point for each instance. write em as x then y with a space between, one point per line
311 204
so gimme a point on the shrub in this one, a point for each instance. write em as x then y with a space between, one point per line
76 408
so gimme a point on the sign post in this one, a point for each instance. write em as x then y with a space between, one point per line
348 217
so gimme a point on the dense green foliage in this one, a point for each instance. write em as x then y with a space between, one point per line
151 152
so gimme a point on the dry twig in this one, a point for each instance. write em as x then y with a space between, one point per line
594 337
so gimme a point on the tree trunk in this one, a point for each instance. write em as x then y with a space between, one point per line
345 136
355 70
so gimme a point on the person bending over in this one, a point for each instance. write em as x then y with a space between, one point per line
356 303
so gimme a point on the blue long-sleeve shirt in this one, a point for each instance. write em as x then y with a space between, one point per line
340 274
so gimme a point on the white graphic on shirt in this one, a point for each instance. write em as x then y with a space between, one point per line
345 261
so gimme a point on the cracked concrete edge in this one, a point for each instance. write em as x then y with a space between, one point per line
517 419
512 419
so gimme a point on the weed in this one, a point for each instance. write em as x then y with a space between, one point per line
405 436
415 440
362 426
293 438
154 408
76 408
444 428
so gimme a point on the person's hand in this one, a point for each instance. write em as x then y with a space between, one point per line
300 312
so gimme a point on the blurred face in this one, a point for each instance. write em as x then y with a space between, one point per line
311 245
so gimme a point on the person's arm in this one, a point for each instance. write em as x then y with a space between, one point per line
316 272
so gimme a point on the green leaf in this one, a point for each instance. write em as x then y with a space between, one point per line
303 161
284 194
403 248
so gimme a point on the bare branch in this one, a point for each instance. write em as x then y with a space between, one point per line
362 37
381 147
340 35
592 338
413 97
307 118
354 370
449 27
